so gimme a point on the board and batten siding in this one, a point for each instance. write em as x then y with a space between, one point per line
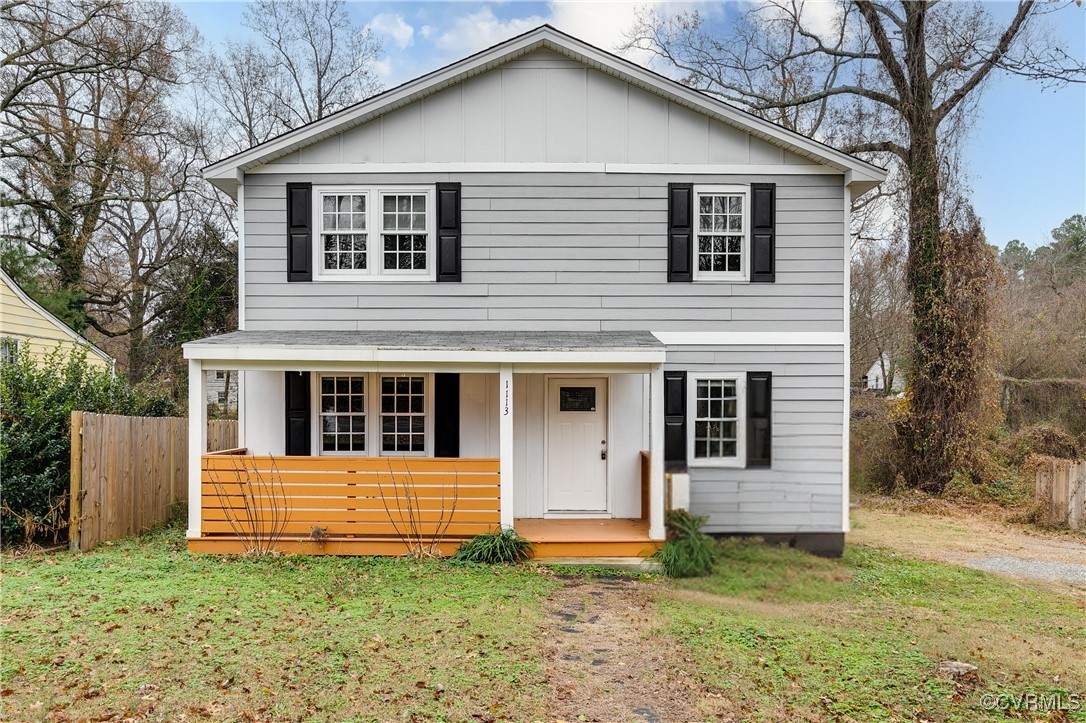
560 251
802 490
544 108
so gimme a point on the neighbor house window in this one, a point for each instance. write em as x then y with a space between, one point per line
343 413
374 233
403 414
715 419
9 350
723 218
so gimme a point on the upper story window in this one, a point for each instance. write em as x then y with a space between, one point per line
374 233
722 240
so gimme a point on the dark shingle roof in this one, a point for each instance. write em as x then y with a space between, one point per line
473 340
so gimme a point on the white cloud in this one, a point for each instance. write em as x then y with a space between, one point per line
426 31
383 67
395 27
480 29
601 23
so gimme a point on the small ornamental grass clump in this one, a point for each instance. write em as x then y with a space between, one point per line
495 548
688 552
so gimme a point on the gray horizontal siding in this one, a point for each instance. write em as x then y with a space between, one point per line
561 251
802 490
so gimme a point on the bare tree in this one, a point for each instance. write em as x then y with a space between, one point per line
323 61
140 239
879 308
899 81
77 100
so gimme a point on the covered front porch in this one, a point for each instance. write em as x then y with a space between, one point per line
350 438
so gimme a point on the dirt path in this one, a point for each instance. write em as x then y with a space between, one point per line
976 542
604 660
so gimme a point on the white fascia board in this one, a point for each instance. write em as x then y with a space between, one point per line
321 354
639 168
751 338
546 37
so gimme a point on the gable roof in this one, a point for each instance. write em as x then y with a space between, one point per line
228 172
67 330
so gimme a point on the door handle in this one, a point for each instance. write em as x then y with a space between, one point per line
603 454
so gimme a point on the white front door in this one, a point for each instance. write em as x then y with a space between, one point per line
577 445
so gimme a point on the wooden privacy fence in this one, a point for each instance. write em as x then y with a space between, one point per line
355 503
1061 486
128 472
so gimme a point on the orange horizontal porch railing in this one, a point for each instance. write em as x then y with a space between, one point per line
344 505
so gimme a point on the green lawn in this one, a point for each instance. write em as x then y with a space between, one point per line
143 627
782 635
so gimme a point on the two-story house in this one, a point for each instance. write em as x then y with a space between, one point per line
543 288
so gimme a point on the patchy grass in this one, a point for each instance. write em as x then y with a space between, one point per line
776 634
143 628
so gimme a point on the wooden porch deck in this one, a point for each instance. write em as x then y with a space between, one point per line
587 537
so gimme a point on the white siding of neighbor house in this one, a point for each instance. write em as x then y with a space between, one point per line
802 490
560 251
544 108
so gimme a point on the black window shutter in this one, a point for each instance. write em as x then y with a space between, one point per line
763 234
446 415
299 232
297 413
680 227
448 232
759 423
674 420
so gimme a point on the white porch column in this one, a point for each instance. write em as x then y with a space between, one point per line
656 453
505 441
197 441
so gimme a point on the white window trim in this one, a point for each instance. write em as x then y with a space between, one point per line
373 414
727 276
740 459
374 236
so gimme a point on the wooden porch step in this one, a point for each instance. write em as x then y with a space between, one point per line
587 537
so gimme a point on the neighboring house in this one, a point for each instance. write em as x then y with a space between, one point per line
222 388
875 379
27 328
555 278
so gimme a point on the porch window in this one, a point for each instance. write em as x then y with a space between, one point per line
374 233
723 220
403 414
715 410
343 413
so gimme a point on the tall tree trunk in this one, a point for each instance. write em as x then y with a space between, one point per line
925 277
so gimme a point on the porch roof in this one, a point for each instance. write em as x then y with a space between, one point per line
430 346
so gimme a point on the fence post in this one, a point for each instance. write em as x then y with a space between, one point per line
75 491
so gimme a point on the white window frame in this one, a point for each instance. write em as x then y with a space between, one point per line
740 458
375 242
744 259
373 414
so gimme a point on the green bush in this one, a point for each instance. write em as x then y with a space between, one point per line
37 396
495 548
688 552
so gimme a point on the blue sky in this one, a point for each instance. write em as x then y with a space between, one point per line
1026 156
